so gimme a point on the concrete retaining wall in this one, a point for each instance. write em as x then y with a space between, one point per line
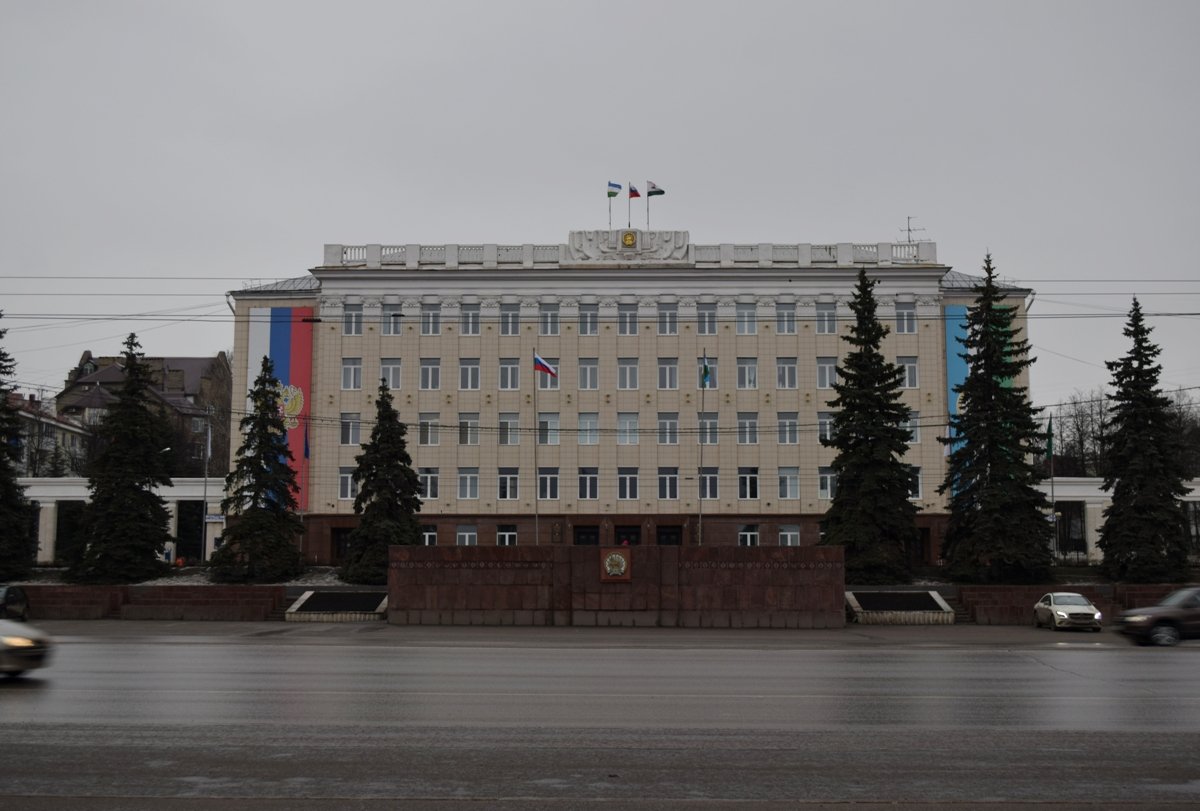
215 602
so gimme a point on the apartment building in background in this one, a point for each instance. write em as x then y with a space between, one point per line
630 442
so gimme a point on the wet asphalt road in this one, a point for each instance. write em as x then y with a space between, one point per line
176 716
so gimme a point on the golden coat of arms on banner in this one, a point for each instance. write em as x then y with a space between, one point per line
291 403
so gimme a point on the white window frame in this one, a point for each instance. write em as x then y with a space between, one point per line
548 323
912 377
627 428
429 535
748 484
627 374
913 426
747 373
826 372
428 433
826 483
429 479
824 425
548 428
906 318
391 370
391 319
548 483
510 319
627 319
506 535
747 428
509 428
668 319
668 428
789 482
431 319
748 535
706 319
786 373
468 374
707 432
466 535
826 318
589 483
468 484
351 428
347 487
789 534
788 427
431 374
352 319
708 483
468 319
785 319
468 428
351 374
627 483
747 318
510 374
589 428
508 483
668 484
589 319
668 374
589 374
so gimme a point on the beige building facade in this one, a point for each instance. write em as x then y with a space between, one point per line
626 444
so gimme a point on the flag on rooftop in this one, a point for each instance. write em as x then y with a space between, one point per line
540 365
653 189
613 189
633 192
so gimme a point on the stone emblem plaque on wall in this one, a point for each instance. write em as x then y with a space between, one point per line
616 564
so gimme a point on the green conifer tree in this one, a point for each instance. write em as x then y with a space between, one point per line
998 530
871 514
388 500
1144 535
126 520
18 545
260 545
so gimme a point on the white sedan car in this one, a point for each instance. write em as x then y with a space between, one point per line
22 647
1065 609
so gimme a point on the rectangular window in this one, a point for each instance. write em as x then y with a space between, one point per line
785 319
789 428
589 373
747 373
706 319
826 483
428 477
466 535
468 428
668 428
824 425
431 374
906 318
627 483
627 428
427 429
668 373
506 535
708 483
747 427
826 372
785 373
627 319
509 429
468 482
428 535
747 319
706 423
668 483
351 427
748 535
627 373
389 319
468 320
510 374
747 483
548 483
789 482
507 483
389 372
548 319
589 428
545 381
589 483
347 487
510 319
668 319
914 483
352 319
351 374
589 319
826 319
431 319
913 426
789 535
712 373
548 428
468 374
909 366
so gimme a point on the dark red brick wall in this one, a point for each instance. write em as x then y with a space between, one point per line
244 603
1013 605
718 586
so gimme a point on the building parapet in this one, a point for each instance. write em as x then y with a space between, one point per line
625 248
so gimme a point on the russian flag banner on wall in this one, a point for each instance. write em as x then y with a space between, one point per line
285 335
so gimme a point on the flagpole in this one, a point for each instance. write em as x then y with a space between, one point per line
647 205
629 209
1053 503
537 431
610 213
700 473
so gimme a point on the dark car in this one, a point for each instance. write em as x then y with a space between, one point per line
1176 617
14 603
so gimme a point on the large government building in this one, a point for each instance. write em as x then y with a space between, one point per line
682 400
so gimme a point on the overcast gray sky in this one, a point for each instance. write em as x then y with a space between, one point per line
168 152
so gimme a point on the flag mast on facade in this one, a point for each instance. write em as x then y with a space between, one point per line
613 190
652 190
539 365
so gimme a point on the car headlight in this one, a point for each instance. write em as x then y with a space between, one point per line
1098 615
1061 614
1136 617
17 641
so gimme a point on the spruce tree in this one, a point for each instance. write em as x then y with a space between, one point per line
998 531
18 545
126 520
1144 535
871 515
389 497
260 543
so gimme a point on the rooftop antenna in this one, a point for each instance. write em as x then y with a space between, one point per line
909 230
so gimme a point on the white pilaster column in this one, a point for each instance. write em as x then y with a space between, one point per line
47 531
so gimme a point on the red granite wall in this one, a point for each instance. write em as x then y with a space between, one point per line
721 587
215 602
1013 605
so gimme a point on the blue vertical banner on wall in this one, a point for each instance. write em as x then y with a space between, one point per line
956 364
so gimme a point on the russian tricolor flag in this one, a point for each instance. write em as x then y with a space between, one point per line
540 365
